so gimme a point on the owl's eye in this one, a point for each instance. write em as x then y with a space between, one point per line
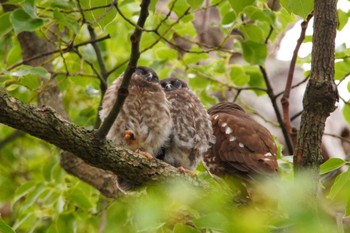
147 73
177 84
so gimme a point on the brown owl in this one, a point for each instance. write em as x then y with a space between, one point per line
144 122
243 147
191 132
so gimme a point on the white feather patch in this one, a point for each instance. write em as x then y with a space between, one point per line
228 130
232 138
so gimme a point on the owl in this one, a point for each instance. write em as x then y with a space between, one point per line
144 122
191 133
243 147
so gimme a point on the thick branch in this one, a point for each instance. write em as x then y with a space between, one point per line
134 57
46 124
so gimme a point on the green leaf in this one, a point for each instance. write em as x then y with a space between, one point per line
347 208
252 32
198 83
29 7
254 53
229 18
238 6
206 99
195 3
190 58
284 17
33 196
346 112
342 69
5 25
181 228
180 7
25 70
185 28
80 198
255 76
24 190
47 169
166 53
102 16
65 20
342 19
22 21
66 223
258 14
213 221
331 165
299 7
4 228
238 76
341 182
66 5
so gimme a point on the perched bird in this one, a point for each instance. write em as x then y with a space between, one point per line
144 122
243 147
191 133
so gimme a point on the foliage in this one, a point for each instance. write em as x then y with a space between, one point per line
44 198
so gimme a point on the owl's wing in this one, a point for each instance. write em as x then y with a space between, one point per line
110 97
191 121
243 145
191 132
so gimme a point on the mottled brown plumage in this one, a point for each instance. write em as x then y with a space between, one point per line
191 132
144 122
243 147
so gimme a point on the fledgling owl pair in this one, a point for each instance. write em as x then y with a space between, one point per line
164 119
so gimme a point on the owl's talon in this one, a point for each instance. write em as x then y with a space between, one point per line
145 154
187 171
129 135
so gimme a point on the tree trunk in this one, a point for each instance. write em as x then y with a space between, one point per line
321 92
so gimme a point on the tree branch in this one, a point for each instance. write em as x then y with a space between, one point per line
13 136
123 90
287 90
46 124
65 50
272 97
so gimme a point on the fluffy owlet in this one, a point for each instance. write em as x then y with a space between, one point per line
191 132
243 147
144 122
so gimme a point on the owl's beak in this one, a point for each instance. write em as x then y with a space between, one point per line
168 87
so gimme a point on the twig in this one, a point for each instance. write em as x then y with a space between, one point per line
338 137
13 136
103 70
272 97
295 85
123 90
90 64
277 111
285 98
65 50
